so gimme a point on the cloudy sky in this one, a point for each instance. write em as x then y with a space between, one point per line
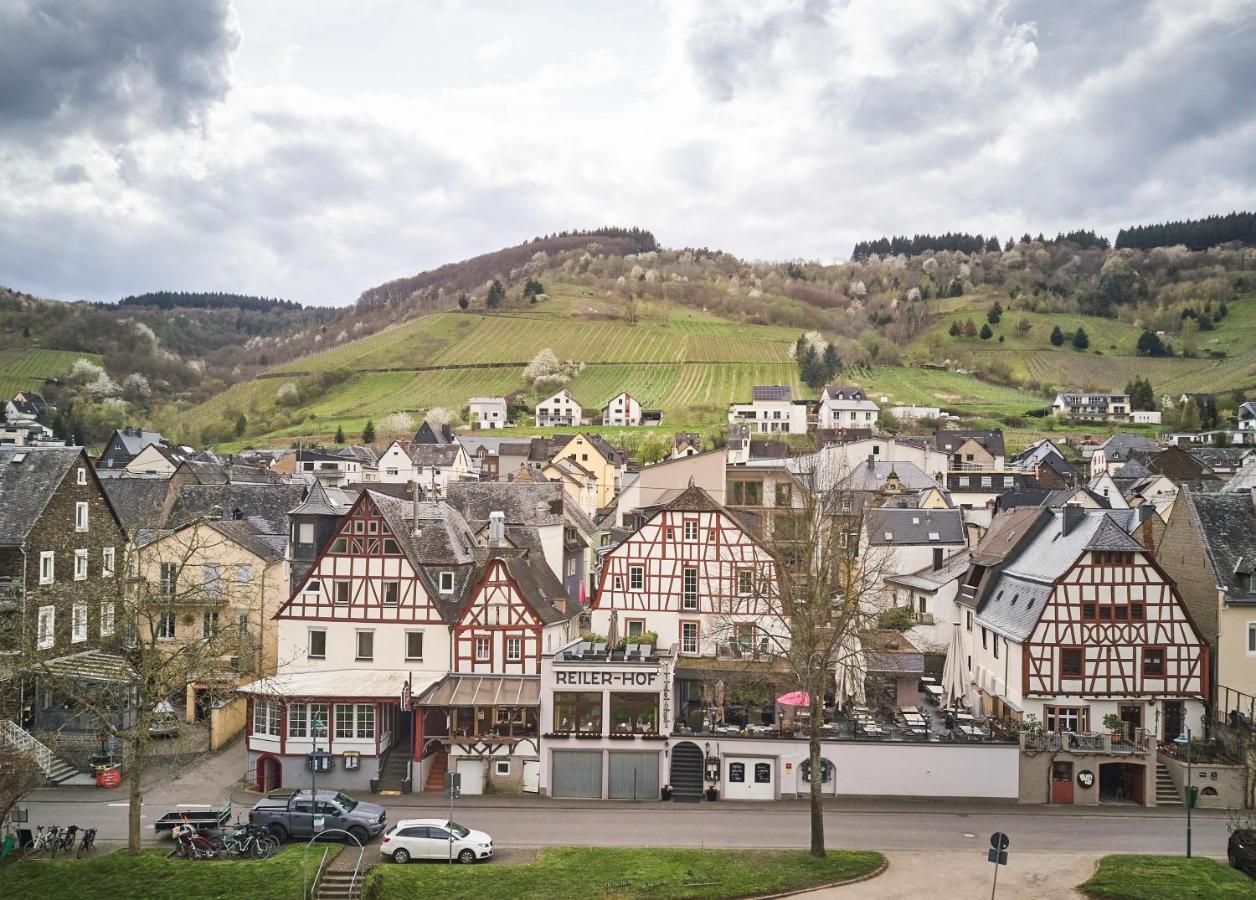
312 149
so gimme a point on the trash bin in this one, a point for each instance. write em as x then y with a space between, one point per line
1192 794
25 836
108 776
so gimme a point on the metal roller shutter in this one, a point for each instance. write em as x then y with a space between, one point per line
633 775
577 774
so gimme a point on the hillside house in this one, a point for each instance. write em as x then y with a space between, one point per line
559 411
436 466
1117 450
1247 416
772 410
125 444
1092 407
332 469
845 406
971 449
25 406
622 410
487 412
28 434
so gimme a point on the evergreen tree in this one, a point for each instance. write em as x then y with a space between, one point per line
340 434
1208 413
1057 337
1011 242
1149 344
812 369
242 423
1080 339
368 432
1142 397
957 288
955 330
532 289
970 328
463 300
496 294
992 245
832 363
1189 419
995 313
986 333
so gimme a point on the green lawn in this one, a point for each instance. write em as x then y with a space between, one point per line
583 872
25 369
1166 878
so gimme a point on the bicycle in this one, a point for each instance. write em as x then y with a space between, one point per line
192 844
66 841
44 839
88 844
250 840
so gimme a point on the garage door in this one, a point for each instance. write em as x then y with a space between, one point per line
749 778
633 775
472 772
576 773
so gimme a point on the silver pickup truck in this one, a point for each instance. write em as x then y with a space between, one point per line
295 815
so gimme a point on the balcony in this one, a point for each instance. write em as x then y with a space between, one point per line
1086 742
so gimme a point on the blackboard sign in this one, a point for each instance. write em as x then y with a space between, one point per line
763 773
737 772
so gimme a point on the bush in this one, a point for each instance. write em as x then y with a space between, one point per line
896 618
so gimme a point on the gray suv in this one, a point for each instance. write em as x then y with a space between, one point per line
297 815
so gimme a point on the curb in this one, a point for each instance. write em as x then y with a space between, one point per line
868 876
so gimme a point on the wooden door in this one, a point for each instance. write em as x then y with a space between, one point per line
1172 719
1061 782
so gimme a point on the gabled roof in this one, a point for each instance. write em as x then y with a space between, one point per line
537 582
444 538
871 475
25 407
1244 479
694 499
29 476
322 502
1226 523
269 502
950 440
930 579
137 501
1119 446
891 526
1006 531
1110 536
429 435
521 503
434 454
843 392
134 440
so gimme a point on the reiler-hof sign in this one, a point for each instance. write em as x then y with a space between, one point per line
584 678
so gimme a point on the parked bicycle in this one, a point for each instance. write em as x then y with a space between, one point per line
250 840
88 844
66 842
192 844
45 840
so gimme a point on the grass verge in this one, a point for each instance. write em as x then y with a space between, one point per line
151 874
583 872
1131 877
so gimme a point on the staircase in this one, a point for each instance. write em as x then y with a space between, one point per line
56 770
687 765
436 774
339 885
1167 793
395 771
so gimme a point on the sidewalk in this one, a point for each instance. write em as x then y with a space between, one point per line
1027 876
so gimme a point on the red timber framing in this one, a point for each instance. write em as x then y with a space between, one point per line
497 612
362 575
386 713
1113 607
709 542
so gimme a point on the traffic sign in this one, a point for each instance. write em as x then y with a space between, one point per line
998 857
453 785
999 841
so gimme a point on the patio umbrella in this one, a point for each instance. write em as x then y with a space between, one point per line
612 630
851 671
955 675
794 698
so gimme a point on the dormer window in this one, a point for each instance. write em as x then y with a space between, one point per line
446 582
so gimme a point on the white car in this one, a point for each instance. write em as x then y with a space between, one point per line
430 839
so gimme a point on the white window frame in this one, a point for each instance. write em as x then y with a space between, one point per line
209 624
80 565
357 644
108 562
406 646
47 628
396 598
691 529
501 768
514 649
82 476
689 600
446 582
81 515
266 718
78 623
47 566
309 643
636 578
165 633
108 620
685 646
482 642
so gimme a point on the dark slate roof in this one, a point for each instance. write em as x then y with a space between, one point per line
871 475
1110 536
928 578
365 455
25 407
914 526
693 499
137 501
768 449
320 502
215 472
612 454
771 392
1227 526
434 454
948 440
1120 446
537 581
429 435
270 547
270 502
318 454
844 392
444 538
1225 459
521 502
28 485
1014 606
134 440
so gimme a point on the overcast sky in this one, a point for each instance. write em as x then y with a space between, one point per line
312 149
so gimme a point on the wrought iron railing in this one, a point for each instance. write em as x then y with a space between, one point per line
25 742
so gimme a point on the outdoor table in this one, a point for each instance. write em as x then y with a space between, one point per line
972 731
909 709
933 690
928 679
964 717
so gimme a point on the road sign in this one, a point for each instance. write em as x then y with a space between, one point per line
453 785
999 841
997 854
998 857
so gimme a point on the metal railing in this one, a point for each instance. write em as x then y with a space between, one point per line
318 875
1084 742
25 742
1235 709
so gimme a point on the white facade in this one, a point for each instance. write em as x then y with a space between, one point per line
1145 416
771 410
487 412
559 411
395 466
846 407
915 413
622 410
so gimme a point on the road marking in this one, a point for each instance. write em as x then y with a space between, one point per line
191 806
969 834
119 804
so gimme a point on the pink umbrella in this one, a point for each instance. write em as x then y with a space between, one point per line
794 698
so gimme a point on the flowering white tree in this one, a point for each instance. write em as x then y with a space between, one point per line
395 427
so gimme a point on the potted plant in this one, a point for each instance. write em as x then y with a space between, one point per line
712 792
666 792
1116 725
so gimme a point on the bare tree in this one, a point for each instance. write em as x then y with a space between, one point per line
825 592
17 776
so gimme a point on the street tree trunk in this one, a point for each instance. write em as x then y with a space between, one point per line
817 772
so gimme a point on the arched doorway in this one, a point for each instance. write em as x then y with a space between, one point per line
686 772
1121 783
269 774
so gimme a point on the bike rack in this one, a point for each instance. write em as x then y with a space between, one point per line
308 892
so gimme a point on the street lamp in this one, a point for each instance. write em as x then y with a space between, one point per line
317 724
1185 738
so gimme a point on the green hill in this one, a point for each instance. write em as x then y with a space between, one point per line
26 369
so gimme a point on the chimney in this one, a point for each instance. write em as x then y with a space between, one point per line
414 505
1073 515
560 604
215 512
496 528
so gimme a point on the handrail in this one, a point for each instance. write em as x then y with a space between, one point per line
357 870
26 742
318 875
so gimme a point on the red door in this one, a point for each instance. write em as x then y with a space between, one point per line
1062 782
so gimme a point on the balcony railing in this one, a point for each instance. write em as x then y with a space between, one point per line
1087 742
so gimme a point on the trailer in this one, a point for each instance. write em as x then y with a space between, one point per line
202 819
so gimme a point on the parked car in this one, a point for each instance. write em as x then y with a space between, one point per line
294 815
164 721
1242 850
430 839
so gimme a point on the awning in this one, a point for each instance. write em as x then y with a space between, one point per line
91 665
347 684
482 690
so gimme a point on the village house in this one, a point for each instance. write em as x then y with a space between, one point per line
908 540
845 406
772 410
395 465
487 412
25 406
622 410
1115 452
971 449
125 444
559 411
28 434
1092 407
436 466
332 469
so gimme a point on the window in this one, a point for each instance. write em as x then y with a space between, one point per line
313 587
165 627
1071 662
78 623
107 622
47 567
578 711
168 579
243 574
1251 638
968 619
996 646
47 626
305 533
1064 719
342 592
390 547
242 624
483 649
298 720
744 636
636 578
691 530
446 582
365 645
80 516
316 643
747 493
634 713
80 565
745 582
414 645
266 717
689 597
502 768
355 720
392 590
784 495
82 476
636 627
107 562
938 555
340 545
1153 662
209 625
688 637
514 649
211 581
1088 612
984 635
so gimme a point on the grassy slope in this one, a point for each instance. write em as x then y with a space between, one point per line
1166 878
25 369
579 873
